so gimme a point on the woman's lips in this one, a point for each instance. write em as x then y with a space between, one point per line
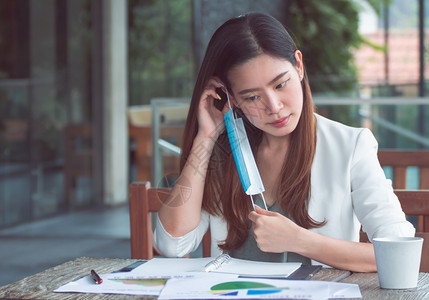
280 122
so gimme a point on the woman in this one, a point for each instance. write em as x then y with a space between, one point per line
322 179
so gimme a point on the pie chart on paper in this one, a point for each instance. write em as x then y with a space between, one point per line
232 288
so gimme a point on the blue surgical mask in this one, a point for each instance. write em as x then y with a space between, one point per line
243 156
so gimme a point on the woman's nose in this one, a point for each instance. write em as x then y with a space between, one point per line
273 104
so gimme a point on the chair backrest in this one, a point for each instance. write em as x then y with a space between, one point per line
417 203
414 202
400 160
144 201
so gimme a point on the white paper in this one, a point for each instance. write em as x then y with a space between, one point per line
180 278
119 283
224 286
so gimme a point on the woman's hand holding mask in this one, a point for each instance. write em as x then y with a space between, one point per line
274 232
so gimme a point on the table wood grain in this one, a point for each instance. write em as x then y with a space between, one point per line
370 288
41 285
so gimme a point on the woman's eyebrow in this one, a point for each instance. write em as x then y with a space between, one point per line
278 77
242 92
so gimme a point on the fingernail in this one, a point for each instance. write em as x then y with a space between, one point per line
218 96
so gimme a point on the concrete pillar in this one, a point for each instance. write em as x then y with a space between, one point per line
115 93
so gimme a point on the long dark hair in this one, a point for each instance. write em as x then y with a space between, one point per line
234 43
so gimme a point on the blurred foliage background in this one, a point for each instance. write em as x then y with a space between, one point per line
160 53
162 64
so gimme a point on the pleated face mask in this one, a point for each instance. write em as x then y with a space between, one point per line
243 156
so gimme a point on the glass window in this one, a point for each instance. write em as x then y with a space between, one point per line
44 92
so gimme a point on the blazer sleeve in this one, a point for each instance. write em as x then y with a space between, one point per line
171 246
376 205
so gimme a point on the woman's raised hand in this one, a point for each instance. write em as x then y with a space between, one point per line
210 119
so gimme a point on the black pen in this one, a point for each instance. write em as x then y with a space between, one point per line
97 279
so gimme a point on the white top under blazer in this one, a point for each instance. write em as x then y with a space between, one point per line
348 188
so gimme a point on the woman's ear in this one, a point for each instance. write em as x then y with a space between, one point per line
299 64
232 99
234 102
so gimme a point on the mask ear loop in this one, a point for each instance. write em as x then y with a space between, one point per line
235 129
263 199
227 97
229 103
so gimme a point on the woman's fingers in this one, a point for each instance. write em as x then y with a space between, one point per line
210 119
211 87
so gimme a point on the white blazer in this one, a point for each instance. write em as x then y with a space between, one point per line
348 188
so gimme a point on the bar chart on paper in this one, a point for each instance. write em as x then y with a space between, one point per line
144 282
116 283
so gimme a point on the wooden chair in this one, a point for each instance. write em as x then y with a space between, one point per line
144 201
399 161
412 202
416 202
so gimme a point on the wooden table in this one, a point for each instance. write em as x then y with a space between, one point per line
41 285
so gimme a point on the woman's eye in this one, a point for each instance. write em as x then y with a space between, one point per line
282 84
252 98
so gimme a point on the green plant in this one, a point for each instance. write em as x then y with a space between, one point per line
326 31
160 56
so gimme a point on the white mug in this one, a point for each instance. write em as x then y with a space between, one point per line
398 261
